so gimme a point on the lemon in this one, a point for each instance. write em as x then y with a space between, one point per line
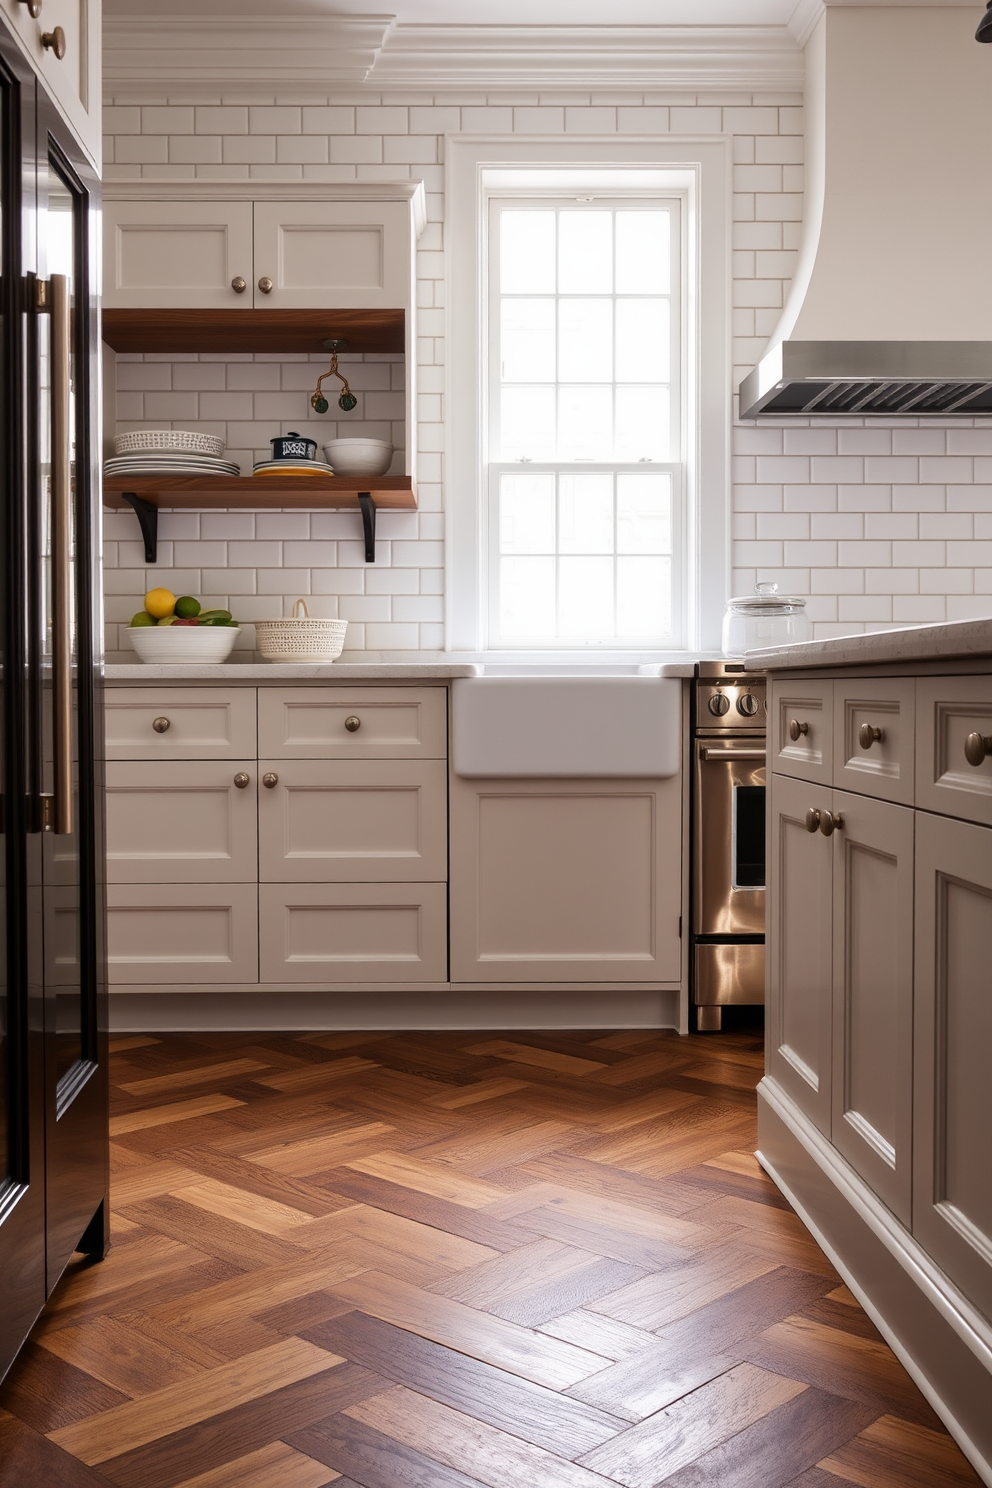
160 602
187 608
142 618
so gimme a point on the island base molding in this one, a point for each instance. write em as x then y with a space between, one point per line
448 1006
940 1338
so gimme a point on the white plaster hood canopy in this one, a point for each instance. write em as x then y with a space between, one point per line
890 311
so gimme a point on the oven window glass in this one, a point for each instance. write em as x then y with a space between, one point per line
749 836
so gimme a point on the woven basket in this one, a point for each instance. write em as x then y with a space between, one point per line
168 439
300 640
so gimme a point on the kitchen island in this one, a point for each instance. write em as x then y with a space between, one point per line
876 1105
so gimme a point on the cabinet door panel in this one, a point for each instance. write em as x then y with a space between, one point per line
325 255
873 994
175 933
182 821
948 709
201 723
799 950
75 82
952 1192
803 706
354 821
561 883
392 723
160 255
353 933
863 762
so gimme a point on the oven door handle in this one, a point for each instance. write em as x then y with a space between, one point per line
708 752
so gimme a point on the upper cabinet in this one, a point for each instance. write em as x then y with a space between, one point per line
63 43
175 246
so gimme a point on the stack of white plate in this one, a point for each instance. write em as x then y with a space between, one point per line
292 467
170 462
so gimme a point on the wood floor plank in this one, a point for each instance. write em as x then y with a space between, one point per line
429 1178
473 1095
168 1115
46 1392
667 1296
274 1466
130 1361
546 1361
542 1058
29 1460
374 1459
538 1304
300 1159
601 1335
185 1079
137 1422
231 1202
506 1274
892 1453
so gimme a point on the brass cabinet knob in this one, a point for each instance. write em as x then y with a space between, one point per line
54 41
812 819
977 747
868 735
797 729
161 725
239 285
241 780
270 780
265 284
353 724
34 8
830 822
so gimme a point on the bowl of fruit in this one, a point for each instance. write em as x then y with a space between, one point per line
179 632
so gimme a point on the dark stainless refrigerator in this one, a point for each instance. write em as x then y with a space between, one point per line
53 1074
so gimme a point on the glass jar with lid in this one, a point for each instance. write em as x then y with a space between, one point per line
765 618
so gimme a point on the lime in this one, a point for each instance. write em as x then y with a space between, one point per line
160 602
187 608
142 618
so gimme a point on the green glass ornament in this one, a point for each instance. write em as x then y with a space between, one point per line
347 402
320 404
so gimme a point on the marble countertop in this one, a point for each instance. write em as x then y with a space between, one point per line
964 639
233 672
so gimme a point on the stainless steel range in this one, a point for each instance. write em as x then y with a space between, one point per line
728 840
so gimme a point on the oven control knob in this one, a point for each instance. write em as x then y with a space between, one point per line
719 704
747 704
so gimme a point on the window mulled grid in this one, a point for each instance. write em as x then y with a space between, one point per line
585 523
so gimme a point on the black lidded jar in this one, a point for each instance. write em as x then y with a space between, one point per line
293 446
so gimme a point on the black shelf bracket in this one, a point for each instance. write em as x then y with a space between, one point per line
368 522
147 516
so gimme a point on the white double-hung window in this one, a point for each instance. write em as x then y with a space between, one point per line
585 522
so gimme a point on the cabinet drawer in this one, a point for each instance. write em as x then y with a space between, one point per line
182 933
873 737
948 710
354 933
353 821
802 708
181 820
160 254
362 723
200 723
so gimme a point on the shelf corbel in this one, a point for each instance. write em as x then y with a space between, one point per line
147 516
368 523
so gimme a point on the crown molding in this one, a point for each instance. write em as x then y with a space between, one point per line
803 20
304 55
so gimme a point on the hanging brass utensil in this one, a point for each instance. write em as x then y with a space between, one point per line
346 402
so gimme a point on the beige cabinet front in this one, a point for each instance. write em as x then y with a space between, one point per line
799 946
874 745
800 728
163 255
182 933
180 723
358 932
873 994
556 881
954 756
360 723
352 821
312 255
74 80
188 821
952 1192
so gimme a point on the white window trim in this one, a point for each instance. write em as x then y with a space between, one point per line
701 168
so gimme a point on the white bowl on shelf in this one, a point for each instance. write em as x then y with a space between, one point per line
361 457
183 645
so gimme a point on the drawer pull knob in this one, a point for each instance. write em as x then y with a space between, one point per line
270 781
830 822
161 725
34 8
239 285
265 284
54 41
797 729
812 819
353 724
977 747
241 780
868 735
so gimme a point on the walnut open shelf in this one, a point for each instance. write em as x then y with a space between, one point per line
145 495
376 332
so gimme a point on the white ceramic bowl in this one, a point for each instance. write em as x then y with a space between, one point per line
359 456
147 441
183 645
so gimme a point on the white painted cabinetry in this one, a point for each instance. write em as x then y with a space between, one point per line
74 79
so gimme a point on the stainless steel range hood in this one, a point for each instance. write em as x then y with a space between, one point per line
890 310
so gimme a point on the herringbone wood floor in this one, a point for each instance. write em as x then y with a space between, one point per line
449 1260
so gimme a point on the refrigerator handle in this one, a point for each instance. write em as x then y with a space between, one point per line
61 819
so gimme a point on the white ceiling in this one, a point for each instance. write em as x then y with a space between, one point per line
515 12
